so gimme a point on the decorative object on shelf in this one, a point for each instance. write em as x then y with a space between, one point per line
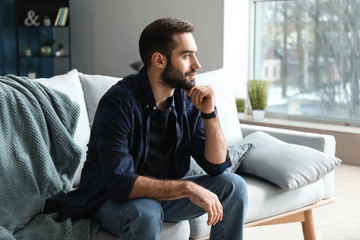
62 16
47 21
240 106
258 94
45 48
32 74
32 19
27 50
59 50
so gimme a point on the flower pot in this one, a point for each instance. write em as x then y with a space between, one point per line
32 75
45 50
258 114
241 115
59 53
47 22
27 52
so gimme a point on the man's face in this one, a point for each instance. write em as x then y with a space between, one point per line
182 65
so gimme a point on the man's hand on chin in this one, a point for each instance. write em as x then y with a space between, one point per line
203 98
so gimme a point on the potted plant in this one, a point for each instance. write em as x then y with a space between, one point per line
45 47
240 106
59 50
47 20
258 94
27 50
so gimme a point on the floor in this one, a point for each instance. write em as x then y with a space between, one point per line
337 221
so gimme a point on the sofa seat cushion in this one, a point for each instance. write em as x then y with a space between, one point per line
267 199
69 84
199 227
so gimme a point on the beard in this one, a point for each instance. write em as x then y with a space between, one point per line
173 78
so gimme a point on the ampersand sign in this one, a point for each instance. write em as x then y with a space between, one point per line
31 19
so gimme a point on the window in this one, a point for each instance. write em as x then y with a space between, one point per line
313 48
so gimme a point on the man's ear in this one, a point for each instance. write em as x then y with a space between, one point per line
158 60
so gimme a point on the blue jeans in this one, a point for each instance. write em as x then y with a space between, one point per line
142 218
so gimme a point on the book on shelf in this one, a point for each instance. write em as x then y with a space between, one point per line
57 17
65 17
62 16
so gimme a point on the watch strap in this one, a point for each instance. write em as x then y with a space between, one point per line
209 115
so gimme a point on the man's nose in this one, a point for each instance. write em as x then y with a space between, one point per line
196 64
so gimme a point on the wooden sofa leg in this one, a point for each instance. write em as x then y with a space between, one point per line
308 226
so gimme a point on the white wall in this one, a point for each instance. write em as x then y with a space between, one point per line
104 34
236 44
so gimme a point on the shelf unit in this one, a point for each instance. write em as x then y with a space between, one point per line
44 66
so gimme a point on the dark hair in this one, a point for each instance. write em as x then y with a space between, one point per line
158 37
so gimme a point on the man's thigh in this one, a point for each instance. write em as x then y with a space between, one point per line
125 219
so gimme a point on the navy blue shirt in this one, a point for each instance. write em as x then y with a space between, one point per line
160 157
119 145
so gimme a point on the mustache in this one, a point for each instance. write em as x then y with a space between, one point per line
190 72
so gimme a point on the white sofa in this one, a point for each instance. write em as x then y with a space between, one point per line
268 203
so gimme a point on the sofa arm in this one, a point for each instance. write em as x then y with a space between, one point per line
322 142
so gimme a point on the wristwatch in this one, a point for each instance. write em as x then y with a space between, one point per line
209 115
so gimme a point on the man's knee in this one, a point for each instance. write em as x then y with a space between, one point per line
235 186
147 213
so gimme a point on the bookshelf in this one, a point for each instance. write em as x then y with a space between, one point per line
35 23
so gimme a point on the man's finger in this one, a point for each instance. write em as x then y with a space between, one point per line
210 217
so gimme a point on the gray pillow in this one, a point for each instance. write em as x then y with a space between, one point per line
237 153
289 166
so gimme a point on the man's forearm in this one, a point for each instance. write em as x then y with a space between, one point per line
146 187
215 144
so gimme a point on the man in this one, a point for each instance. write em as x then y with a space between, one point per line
145 130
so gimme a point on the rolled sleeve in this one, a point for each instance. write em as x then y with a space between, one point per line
198 146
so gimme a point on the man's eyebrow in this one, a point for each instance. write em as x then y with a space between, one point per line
188 51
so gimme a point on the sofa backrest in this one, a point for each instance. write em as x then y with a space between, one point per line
94 87
225 103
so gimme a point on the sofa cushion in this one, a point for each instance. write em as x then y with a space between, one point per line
289 166
69 84
199 227
267 199
94 87
225 103
237 153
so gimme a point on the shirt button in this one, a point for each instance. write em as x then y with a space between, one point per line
154 107
147 106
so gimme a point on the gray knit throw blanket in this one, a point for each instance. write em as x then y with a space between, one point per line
38 158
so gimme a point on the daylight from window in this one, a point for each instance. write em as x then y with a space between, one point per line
309 51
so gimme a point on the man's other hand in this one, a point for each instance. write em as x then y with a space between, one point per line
203 97
206 200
